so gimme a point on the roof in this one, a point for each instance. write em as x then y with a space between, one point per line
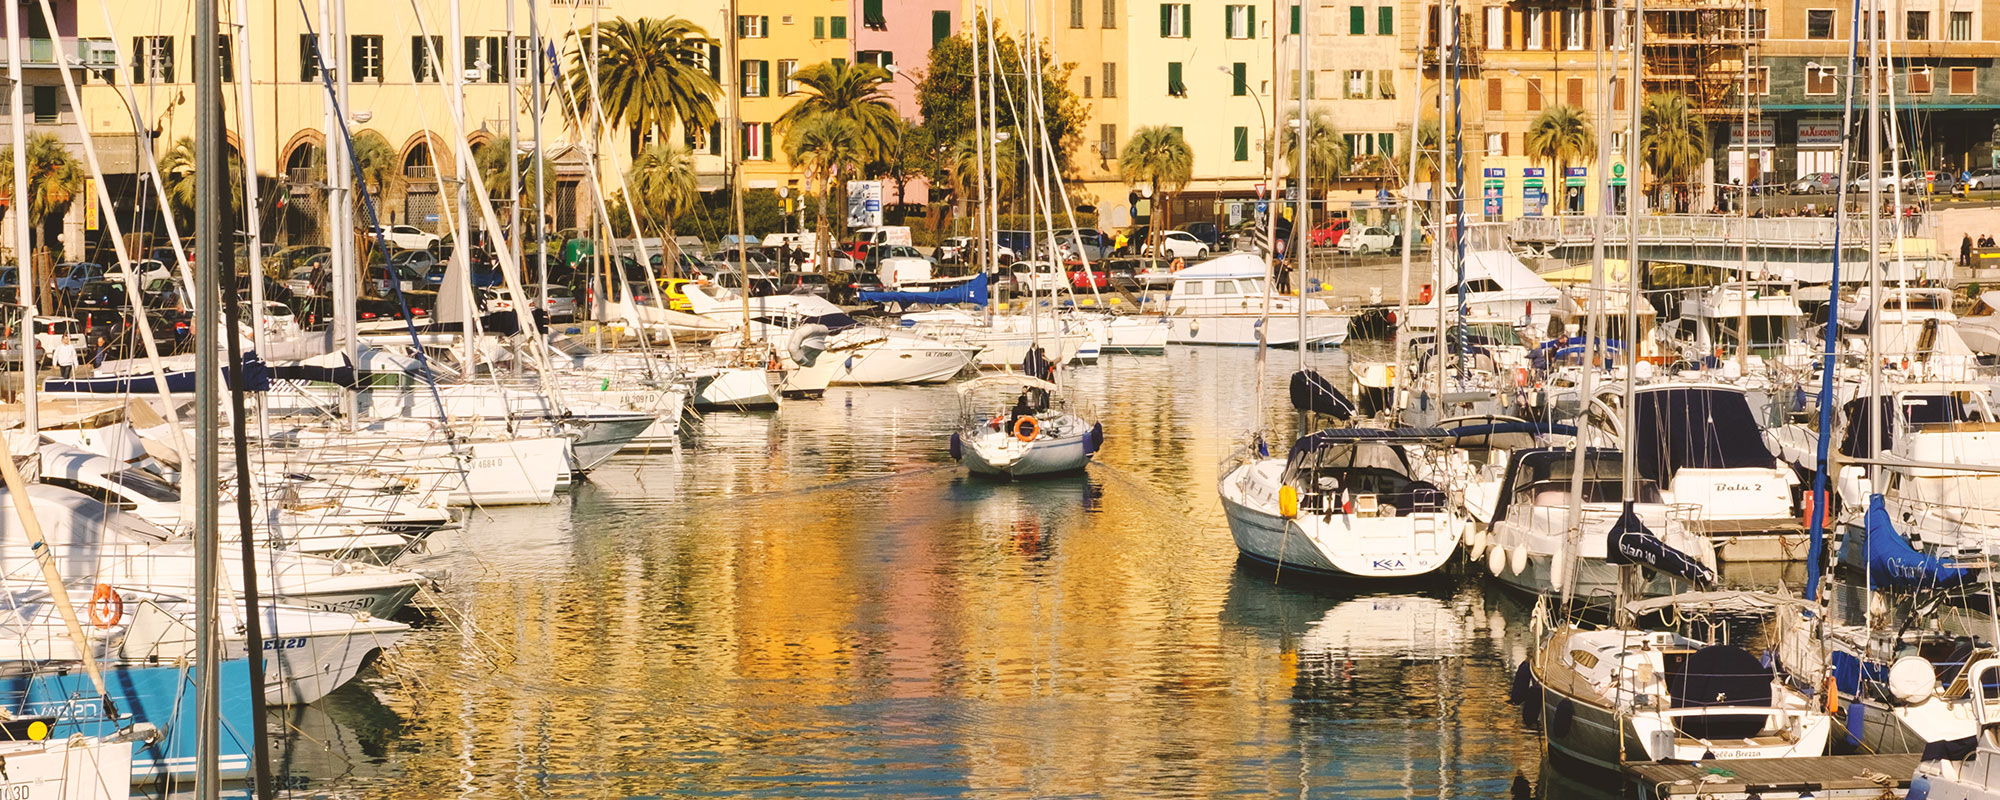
1514 277
1232 265
1007 380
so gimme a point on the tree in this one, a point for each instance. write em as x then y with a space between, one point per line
1560 136
376 159
852 92
1673 141
959 166
177 177
912 156
945 93
1326 152
663 180
649 76
491 161
55 178
824 147
1159 157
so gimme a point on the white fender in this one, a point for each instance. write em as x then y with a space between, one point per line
1517 559
1496 560
1559 567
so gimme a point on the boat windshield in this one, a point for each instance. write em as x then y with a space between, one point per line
145 485
1768 334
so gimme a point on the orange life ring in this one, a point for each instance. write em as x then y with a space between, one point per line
1033 429
106 606
1178 264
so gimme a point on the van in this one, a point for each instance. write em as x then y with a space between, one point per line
886 234
803 241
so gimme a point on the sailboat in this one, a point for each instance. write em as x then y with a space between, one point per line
1041 433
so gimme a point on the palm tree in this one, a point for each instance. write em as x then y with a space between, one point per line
663 180
1326 152
177 177
650 75
1159 157
1425 144
852 92
376 159
491 161
962 164
1673 141
55 178
1559 136
824 147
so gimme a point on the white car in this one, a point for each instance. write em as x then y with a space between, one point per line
1367 240
147 269
1180 244
406 237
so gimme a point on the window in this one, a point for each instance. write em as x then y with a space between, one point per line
1573 92
1076 13
1964 80
757 141
1385 84
1534 94
1357 21
1239 79
1107 140
756 78
1496 28
1920 81
153 59
1110 14
819 27
1385 21
308 58
1110 79
1241 140
940 26
1357 83
48 104
1819 23
1174 86
1496 144
1961 26
227 56
1385 144
1820 80
1086 87
1174 19
482 59
1917 26
751 26
837 27
1493 94
1881 25
878 58
1760 81
871 16
1537 20
366 53
1760 25
1240 22
705 142
1295 19
1572 29
422 68
1617 90
786 69
524 59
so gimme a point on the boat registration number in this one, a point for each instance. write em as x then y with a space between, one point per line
269 644
486 463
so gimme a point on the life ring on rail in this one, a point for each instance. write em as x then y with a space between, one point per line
106 606
1178 264
1027 428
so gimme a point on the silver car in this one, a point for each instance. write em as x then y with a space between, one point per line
1984 178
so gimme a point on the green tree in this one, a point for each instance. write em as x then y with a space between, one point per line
958 169
913 156
1159 157
177 177
55 178
852 92
491 161
663 180
824 147
1673 142
649 75
1559 136
945 95
1326 152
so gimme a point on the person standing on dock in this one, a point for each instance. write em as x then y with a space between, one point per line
1965 251
65 357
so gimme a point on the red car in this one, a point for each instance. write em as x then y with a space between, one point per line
1094 279
1328 233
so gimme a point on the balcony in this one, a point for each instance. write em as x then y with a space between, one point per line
82 53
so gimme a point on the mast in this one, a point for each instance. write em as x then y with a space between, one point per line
1301 224
1874 315
461 224
26 279
1409 217
736 174
340 188
1596 304
992 210
209 201
510 62
1743 215
1629 479
1816 552
1437 240
982 240
541 107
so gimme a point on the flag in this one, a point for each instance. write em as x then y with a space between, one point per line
554 71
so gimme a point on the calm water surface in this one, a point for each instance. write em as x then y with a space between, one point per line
820 603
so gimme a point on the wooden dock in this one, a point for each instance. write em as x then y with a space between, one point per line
1870 776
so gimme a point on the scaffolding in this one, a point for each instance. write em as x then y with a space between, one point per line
1706 50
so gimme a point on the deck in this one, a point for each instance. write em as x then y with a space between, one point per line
1770 778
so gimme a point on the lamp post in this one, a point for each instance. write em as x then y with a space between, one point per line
1262 128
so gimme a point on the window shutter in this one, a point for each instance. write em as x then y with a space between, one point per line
1229 22
1493 94
1166 20
819 26
1242 143
308 67
1549 41
770 153
1507 27
166 44
1240 73
1295 19
1174 86
1385 143
417 59
1503 143
764 79
1187 20
1110 79
1589 36
1110 13
940 26
743 141
138 59
1357 20
1385 20
871 14
1251 17
839 27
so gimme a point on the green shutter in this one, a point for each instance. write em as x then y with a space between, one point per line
839 62
1385 20
770 148
940 26
1228 31
1252 33
819 27
1240 83
1242 143
1166 20
871 13
764 79
1295 19
839 27
1385 143
1187 20
1174 86
1357 20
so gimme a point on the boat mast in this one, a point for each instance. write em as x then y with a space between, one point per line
1409 218
735 175
1596 304
209 200
982 239
1743 216
26 279
253 223
1816 552
510 62
1874 317
1437 239
1301 223
992 193
461 225
535 120
1629 480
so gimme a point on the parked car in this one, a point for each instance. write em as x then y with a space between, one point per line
162 293
560 304
71 278
1083 243
148 270
1181 244
1883 181
954 249
1328 233
377 280
1207 232
101 300
1096 278
418 260
482 276
49 332
1931 181
1984 178
407 237
1375 239
812 283
677 298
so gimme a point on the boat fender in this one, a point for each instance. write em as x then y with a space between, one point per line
1523 686
1027 428
957 448
1496 560
807 343
1288 501
1912 680
1559 567
1094 440
1560 718
1856 721
1920 788
1475 545
106 607
1517 559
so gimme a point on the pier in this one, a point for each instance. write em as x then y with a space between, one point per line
1771 778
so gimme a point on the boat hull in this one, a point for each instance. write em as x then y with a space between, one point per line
886 366
1006 456
1340 544
161 696
737 390
1241 330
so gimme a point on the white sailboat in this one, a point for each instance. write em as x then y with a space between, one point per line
1019 426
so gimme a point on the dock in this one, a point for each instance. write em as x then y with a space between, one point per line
1869 776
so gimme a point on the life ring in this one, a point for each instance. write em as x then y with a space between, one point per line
1027 428
1178 264
106 607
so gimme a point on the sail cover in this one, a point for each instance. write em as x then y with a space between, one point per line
1312 393
972 291
1631 542
1894 564
1696 427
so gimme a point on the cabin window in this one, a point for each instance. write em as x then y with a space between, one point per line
1476 286
1192 288
1224 287
1583 658
1251 286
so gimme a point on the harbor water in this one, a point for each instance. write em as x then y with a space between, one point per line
820 603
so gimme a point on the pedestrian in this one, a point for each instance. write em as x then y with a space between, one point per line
65 357
1119 245
1965 251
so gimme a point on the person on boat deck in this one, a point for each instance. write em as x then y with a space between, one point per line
1038 364
1021 409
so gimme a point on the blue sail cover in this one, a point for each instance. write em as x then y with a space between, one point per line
1630 542
1312 393
1894 564
257 378
972 291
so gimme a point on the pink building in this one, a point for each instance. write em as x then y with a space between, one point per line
900 32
